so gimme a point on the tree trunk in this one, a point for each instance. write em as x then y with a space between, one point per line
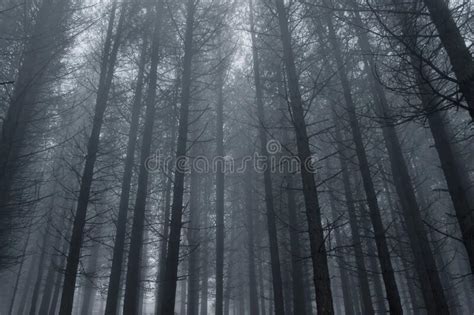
172 257
270 209
299 298
119 244
367 307
132 285
205 252
166 215
456 176
250 214
220 188
374 266
41 267
49 281
313 212
458 52
228 290
89 287
399 233
45 45
261 283
143 274
182 308
27 288
345 281
58 280
19 272
425 264
193 243
107 66
381 242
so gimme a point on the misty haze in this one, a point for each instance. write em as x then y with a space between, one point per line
236 157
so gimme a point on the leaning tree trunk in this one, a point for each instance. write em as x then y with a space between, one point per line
172 258
119 244
457 178
381 241
45 46
267 178
456 47
109 57
322 281
367 306
432 289
131 299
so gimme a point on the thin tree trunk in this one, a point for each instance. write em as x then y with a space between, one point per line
381 242
166 216
432 289
49 281
27 288
18 275
250 214
193 243
459 55
299 298
299 293
318 248
119 244
367 307
374 266
90 287
345 281
456 176
130 305
41 267
172 257
205 252
228 290
58 280
182 308
232 272
107 66
220 189
143 274
356 297
410 281
267 178
261 283
45 45
308 288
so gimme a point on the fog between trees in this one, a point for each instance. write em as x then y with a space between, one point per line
236 157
